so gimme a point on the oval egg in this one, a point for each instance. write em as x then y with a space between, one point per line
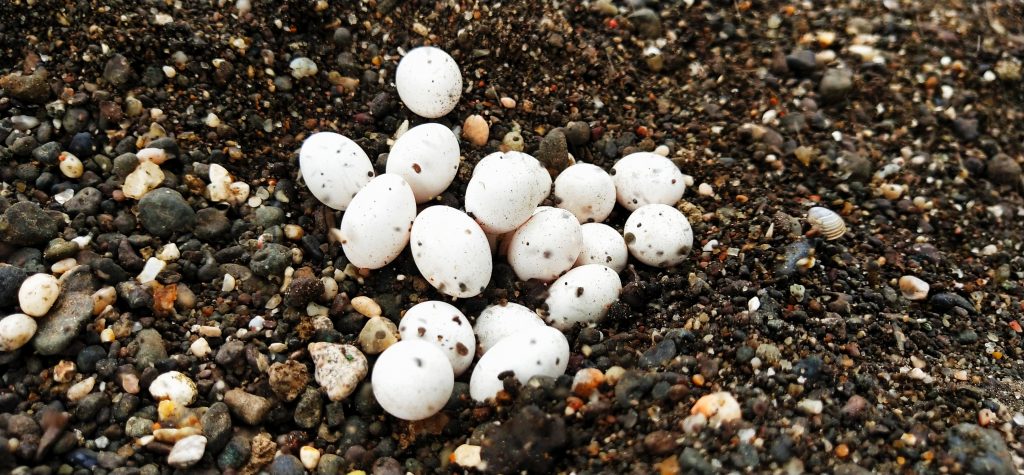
412 380
376 226
429 82
547 245
537 351
643 178
444 326
499 321
451 251
334 168
603 245
582 295
587 191
658 235
505 189
427 156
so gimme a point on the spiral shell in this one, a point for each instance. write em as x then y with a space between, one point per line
827 222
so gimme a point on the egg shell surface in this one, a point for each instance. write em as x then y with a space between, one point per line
547 245
587 191
451 251
427 156
602 244
444 326
412 380
499 321
334 168
429 82
582 295
643 178
504 190
658 235
376 226
537 351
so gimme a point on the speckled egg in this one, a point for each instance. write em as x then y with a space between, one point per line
536 351
412 380
427 156
334 168
603 245
658 235
505 189
582 295
429 82
499 321
376 226
442 325
451 251
587 191
547 245
643 178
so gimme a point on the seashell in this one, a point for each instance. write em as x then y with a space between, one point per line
827 222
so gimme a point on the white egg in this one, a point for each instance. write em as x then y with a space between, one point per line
536 351
499 321
376 226
582 295
587 191
429 82
444 326
334 168
547 245
603 245
643 178
451 251
427 156
505 189
412 380
658 235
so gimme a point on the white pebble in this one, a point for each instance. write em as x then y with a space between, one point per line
505 189
187 451
302 67
451 251
200 348
220 183
427 156
603 245
366 306
151 270
310 457
174 386
810 406
16 330
643 178
81 389
547 245
334 168
718 408
228 284
145 178
71 166
537 351
658 235
339 368
169 253
444 326
412 380
152 154
499 321
37 294
375 228
582 295
913 288
429 82
587 191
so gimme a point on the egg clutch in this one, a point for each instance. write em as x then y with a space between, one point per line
566 245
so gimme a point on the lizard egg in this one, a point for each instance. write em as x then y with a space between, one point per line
547 245
499 321
451 251
442 325
334 168
658 235
582 295
429 82
643 178
427 156
603 245
587 191
375 228
412 380
536 351
505 189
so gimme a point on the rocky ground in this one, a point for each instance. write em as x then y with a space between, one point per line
905 117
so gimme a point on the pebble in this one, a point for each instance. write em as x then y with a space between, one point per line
150 271
37 294
63 323
476 130
647 23
164 211
26 224
11 278
309 410
15 331
467 456
71 166
304 288
32 88
979 450
216 424
146 177
271 261
200 348
187 451
288 379
303 67
250 408
80 390
836 83
719 408
86 201
339 368
554 152
174 386
377 335
810 407
913 288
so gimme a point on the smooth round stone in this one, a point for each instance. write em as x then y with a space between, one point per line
499 321
658 235
643 178
412 380
334 168
429 82
38 293
442 325
174 386
427 156
375 228
15 331
537 351
582 295
603 245
587 191
451 251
